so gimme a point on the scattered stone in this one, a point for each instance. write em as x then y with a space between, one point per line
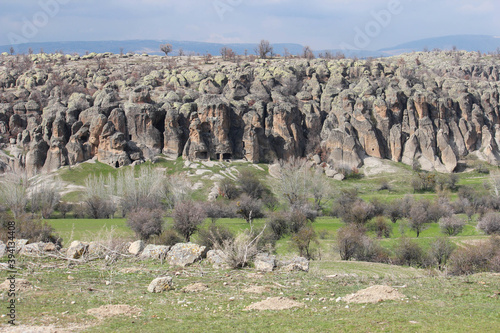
77 249
216 258
296 264
374 294
3 249
274 303
265 262
195 288
108 311
339 177
154 252
20 243
136 247
160 284
185 254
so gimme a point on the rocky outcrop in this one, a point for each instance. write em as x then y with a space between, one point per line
415 108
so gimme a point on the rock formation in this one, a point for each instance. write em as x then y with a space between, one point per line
427 108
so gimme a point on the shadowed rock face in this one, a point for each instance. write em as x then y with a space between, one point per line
431 108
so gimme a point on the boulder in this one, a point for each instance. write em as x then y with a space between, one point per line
77 249
185 254
154 252
216 258
296 264
265 262
136 247
160 284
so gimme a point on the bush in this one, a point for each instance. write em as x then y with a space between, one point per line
380 226
490 223
250 184
64 208
451 225
278 224
349 240
240 251
423 182
188 216
476 258
440 251
447 182
99 208
249 208
353 243
409 253
168 237
145 222
228 189
419 216
219 209
303 239
27 227
394 210
214 235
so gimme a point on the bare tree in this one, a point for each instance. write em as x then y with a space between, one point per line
11 50
419 216
292 183
490 223
264 49
166 48
451 225
227 53
14 192
188 216
307 53
249 208
44 199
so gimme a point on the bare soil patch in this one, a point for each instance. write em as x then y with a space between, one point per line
21 285
257 289
110 310
275 303
195 288
374 294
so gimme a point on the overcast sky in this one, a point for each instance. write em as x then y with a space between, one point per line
321 24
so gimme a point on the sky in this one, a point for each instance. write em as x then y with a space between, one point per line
320 24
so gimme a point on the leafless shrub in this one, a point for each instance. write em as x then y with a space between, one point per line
440 251
451 225
490 223
168 237
264 49
240 251
145 222
409 253
166 48
14 192
213 235
476 258
44 199
250 184
419 216
64 208
381 227
219 209
228 189
27 227
349 239
188 216
249 208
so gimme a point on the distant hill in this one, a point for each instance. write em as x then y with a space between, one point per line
144 46
481 43
469 43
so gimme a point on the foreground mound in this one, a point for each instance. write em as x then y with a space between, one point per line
110 310
275 303
374 294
